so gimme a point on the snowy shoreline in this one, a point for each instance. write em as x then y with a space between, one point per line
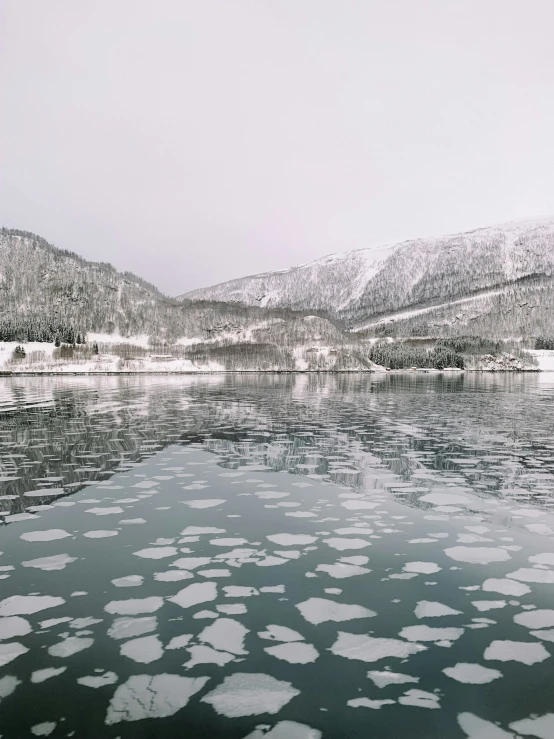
422 371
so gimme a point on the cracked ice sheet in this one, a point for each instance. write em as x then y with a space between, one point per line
250 694
319 610
147 696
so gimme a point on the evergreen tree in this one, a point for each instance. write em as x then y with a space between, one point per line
95 348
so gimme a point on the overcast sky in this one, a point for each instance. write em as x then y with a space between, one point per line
193 141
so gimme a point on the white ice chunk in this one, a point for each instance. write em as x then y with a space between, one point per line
468 672
192 595
152 696
477 555
431 609
319 610
133 606
145 649
250 694
372 649
528 653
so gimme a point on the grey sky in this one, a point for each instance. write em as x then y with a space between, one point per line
193 141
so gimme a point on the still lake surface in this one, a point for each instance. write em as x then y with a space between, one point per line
289 557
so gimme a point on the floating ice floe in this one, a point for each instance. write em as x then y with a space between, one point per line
319 610
280 633
431 609
152 696
239 591
488 605
204 503
100 534
342 544
105 511
133 606
225 634
54 562
145 649
202 655
43 729
178 642
27 604
431 633
194 594
127 626
191 563
546 558
371 649
369 703
477 555
10 651
468 672
505 586
46 535
544 577
156 552
339 570
285 730
39 676
129 581
478 728
98 681
419 698
382 678
528 653
250 694
8 684
539 618
287 540
538 726
423 568
173 576
11 626
69 646
296 653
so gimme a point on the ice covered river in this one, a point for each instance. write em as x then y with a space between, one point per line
288 557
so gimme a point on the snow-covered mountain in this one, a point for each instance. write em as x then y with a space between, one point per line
496 280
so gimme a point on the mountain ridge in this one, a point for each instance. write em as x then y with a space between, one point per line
361 286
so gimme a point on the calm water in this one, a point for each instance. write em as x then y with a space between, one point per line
287 557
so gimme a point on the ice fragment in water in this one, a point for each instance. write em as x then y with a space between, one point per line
319 610
467 672
194 594
250 694
528 653
297 653
152 696
371 649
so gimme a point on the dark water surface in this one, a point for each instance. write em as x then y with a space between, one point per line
289 557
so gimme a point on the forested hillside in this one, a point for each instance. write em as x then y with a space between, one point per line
495 281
